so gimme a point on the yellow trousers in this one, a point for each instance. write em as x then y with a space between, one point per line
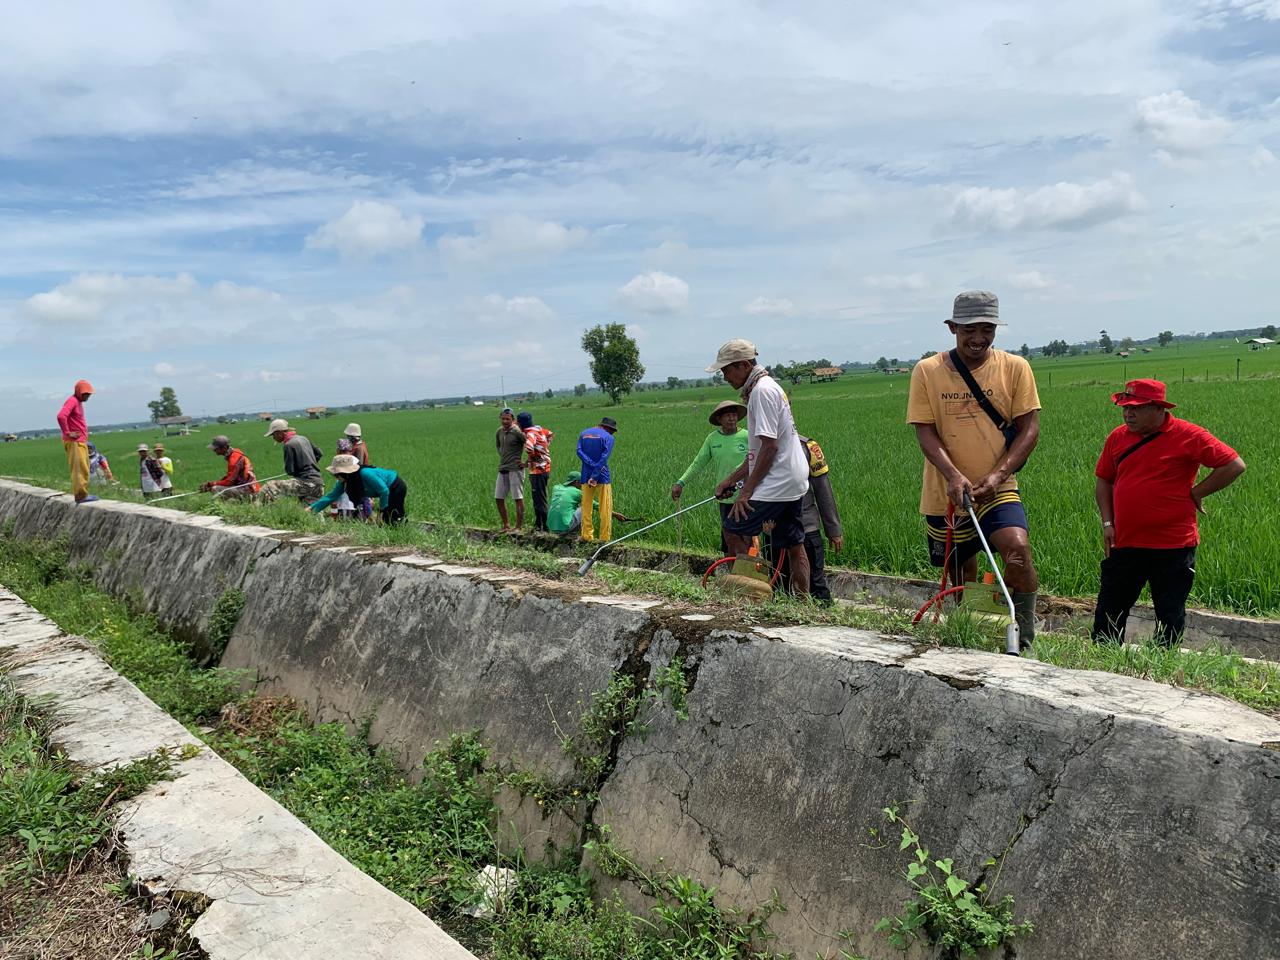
78 461
603 494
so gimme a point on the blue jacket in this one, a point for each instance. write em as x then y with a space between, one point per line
377 483
594 446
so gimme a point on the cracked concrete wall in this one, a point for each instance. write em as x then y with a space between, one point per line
1137 818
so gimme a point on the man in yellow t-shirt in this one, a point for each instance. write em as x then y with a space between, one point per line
967 452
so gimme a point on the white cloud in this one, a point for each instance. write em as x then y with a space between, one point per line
514 235
669 253
897 283
1030 280
369 229
1179 126
655 292
1262 158
1059 206
86 296
164 369
769 307
496 310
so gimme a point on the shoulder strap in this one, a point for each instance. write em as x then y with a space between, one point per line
987 407
1134 449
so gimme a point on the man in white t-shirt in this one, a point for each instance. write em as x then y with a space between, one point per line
775 475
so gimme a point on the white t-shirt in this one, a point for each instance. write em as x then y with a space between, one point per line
769 415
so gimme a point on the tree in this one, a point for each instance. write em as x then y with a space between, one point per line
1074 351
673 382
580 390
223 418
1105 343
882 363
615 359
1126 343
1054 348
1165 338
1024 350
928 353
1269 331
467 400
548 393
717 378
166 406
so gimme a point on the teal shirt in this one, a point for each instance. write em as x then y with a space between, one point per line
377 483
725 453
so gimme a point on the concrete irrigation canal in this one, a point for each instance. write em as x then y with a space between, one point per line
1130 819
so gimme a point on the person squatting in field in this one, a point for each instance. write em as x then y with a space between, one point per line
239 481
301 463
75 439
595 447
537 450
976 413
509 441
725 448
1148 499
99 467
358 482
775 474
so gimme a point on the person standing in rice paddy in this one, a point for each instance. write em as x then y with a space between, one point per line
509 442
725 449
1148 499
149 472
537 449
595 447
99 466
166 464
75 439
968 454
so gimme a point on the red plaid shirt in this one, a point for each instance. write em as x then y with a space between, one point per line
537 447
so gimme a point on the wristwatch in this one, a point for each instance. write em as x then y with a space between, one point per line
1107 523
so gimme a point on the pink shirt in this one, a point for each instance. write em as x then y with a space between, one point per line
71 420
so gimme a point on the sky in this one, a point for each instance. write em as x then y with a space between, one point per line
269 206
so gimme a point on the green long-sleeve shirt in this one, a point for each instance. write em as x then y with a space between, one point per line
725 453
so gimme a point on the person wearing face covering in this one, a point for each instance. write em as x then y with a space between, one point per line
358 482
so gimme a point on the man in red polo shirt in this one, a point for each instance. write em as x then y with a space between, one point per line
1148 497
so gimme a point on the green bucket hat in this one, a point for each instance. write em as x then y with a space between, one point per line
573 477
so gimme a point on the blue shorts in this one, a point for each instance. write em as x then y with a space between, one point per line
787 517
1005 510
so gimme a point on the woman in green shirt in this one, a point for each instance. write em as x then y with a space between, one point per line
725 448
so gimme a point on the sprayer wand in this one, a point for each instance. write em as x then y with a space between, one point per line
219 492
1011 641
582 570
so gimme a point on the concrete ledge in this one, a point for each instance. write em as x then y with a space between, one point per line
1138 819
277 891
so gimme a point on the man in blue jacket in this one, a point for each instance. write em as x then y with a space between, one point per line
595 444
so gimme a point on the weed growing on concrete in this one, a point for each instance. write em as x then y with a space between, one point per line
947 911
62 889
227 611
672 682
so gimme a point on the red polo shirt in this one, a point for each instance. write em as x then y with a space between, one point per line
1152 495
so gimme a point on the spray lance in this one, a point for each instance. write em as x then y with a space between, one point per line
1011 641
582 570
219 492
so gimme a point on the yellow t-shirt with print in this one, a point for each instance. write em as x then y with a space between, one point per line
975 445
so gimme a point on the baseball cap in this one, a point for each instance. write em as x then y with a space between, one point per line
731 352
276 424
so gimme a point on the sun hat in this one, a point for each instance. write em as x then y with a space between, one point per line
159 447
714 419
609 424
142 448
976 306
277 425
219 441
731 352
353 430
573 477
1137 393
82 386
343 463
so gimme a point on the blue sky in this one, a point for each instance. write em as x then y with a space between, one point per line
286 205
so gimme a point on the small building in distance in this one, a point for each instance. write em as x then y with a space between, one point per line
1259 343
823 374
315 413
266 417
181 426
10 438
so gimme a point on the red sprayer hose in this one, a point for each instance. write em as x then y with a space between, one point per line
943 592
777 571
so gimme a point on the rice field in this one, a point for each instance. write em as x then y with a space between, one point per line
448 461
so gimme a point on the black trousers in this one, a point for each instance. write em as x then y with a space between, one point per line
395 503
1170 574
538 481
725 507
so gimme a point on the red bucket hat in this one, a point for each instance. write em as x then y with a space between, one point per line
1139 392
